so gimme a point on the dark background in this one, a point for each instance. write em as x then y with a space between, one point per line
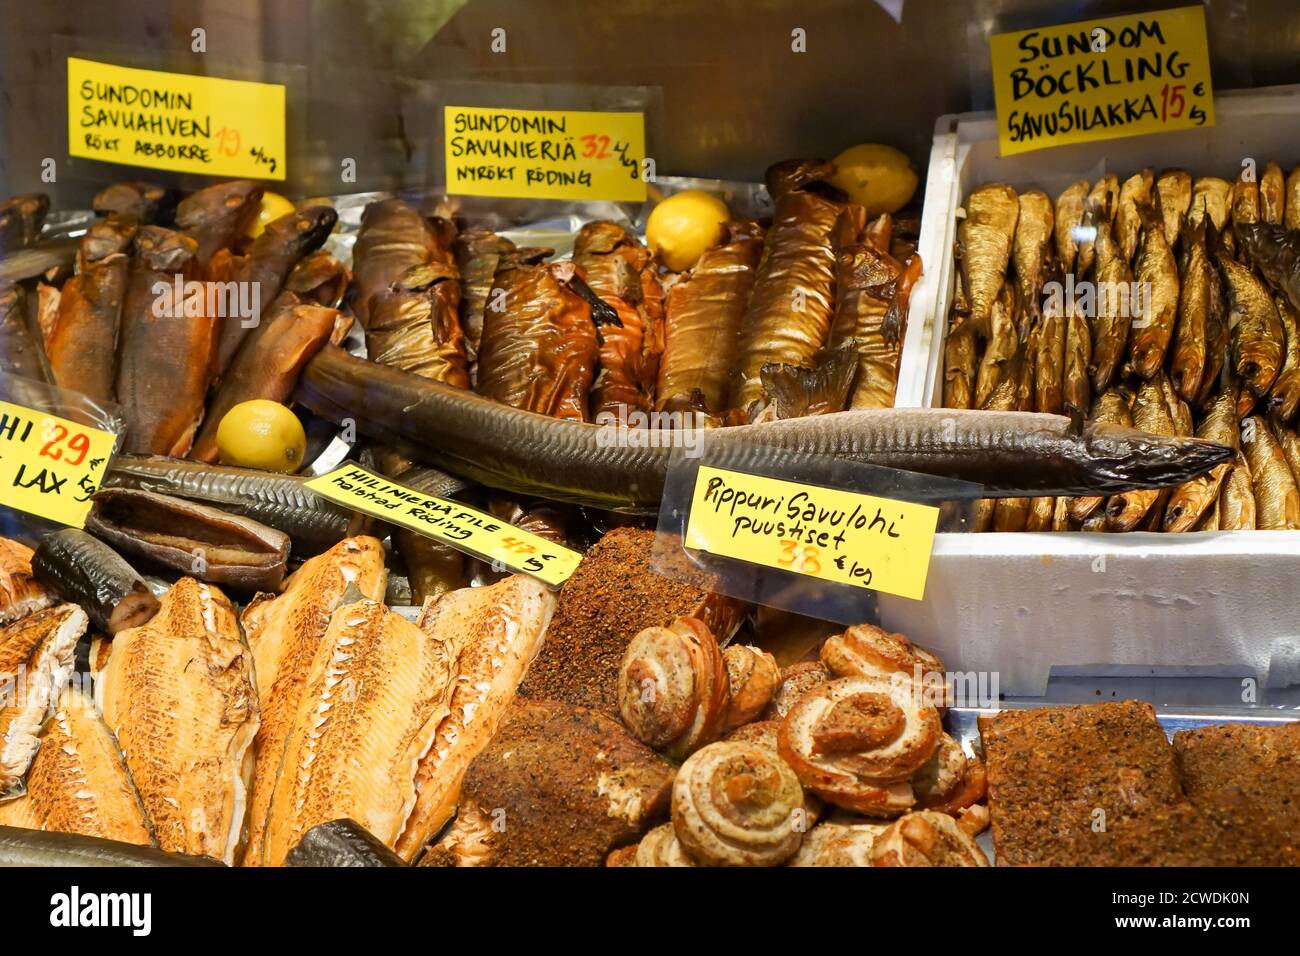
730 96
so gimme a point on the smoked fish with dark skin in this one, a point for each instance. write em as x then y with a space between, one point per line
217 216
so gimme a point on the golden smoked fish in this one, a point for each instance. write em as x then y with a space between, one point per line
1029 250
1104 196
1188 360
985 238
376 691
283 634
1150 413
1135 192
789 311
1291 215
1112 307
1069 218
1257 334
36 659
1272 194
1190 502
1211 196
1003 344
1174 190
78 782
494 632
179 695
1156 275
1277 500
1284 397
1236 510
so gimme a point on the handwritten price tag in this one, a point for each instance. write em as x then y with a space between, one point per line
189 124
544 154
463 528
50 466
1102 79
839 536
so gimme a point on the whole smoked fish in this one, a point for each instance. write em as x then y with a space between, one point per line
477 253
217 216
393 239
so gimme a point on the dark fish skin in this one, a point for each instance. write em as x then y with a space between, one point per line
37 259
19 847
197 540
21 219
216 216
1284 398
88 572
147 203
341 843
315 524
1013 454
19 352
1275 251
270 259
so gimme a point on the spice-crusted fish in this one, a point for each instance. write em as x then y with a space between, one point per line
495 632
82 346
284 634
165 353
20 352
704 310
179 695
789 311
20 593
374 695
539 349
36 660
78 782
985 238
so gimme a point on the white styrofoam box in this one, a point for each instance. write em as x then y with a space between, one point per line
1208 603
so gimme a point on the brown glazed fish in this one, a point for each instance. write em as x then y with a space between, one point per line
415 325
1015 454
19 351
165 354
146 203
1111 407
1150 414
1272 194
1245 200
1135 192
1112 305
985 238
1069 219
1187 362
191 538
89 573
1190 502
268 263
1174 191
867 283
1284 398
1213 196
284 634
788 315
394 238
1104 197
1257 337
1012 514
539 349
1291 216
320 278
704 311
280 501
82 346
1003 343
21 219
1029 250
217 216
477 253
1050 343
1156 276
268 364
1277 500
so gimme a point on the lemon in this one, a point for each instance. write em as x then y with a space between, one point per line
273 207
685 224
876 176
261 434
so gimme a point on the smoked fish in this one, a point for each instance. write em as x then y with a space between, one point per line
178 693
1156 276
477 253
985 238
1256 330
1277 499
1190 502
216 216
1104 197
1174 195
1069 219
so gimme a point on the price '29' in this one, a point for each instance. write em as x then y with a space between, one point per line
59 440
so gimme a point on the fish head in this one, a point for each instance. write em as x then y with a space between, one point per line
305 229
1121 457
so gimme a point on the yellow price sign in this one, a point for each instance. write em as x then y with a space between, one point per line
175 121
545 154
839 536
1102 79
460 526
50 466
